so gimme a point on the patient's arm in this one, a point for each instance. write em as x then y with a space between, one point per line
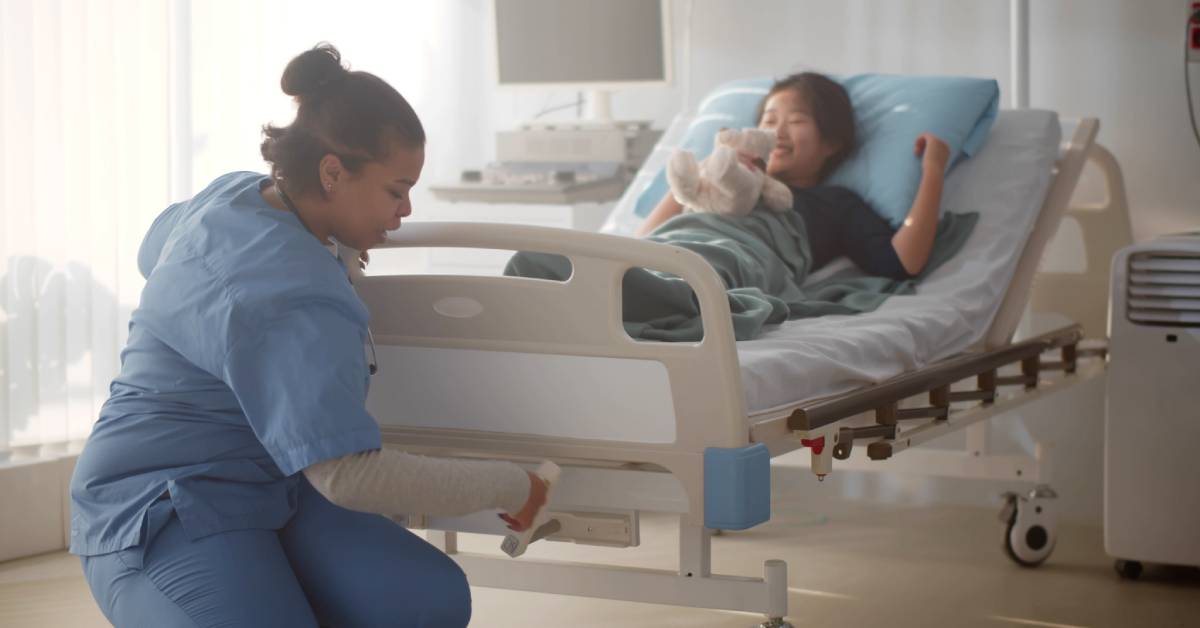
914 241
390 482
666 209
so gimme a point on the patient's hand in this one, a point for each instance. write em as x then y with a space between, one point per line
522 519
751 162
933 151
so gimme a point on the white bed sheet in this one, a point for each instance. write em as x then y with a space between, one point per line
1006 182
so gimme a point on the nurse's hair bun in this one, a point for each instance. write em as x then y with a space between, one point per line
312 71
356 116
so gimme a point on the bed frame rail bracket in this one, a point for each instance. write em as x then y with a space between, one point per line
879 450
847 436
887 414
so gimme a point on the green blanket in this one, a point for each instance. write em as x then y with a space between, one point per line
763 258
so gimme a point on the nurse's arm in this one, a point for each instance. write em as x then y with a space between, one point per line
390 482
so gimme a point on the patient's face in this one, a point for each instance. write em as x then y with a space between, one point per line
800 152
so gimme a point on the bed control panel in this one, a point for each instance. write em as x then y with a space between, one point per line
584 528
594 528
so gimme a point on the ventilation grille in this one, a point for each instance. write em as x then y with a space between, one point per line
1164 289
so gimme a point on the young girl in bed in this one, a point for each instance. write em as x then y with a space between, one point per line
813 122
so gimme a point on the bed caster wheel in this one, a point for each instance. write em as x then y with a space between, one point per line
1030 526
1128 569
775 622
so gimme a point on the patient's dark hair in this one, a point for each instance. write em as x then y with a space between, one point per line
354 115
831 109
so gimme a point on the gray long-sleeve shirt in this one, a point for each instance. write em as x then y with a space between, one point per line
391 482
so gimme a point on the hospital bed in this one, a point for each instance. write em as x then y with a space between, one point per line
529 370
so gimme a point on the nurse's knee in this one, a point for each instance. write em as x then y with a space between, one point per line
434 594
445 598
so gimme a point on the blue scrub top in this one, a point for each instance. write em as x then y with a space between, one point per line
245 364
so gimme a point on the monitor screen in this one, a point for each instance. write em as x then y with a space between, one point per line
580 41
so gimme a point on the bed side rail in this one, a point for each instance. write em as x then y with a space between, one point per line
579 317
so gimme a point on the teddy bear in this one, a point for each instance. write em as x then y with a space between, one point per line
722 184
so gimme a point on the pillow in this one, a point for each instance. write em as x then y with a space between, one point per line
890 112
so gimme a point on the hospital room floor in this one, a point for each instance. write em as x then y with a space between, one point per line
851 563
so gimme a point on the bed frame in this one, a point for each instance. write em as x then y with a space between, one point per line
607 481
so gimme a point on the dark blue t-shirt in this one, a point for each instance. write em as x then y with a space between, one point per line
841 223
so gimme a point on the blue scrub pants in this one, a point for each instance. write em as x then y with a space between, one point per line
329 566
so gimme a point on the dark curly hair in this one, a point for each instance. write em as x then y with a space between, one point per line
831 110
354 115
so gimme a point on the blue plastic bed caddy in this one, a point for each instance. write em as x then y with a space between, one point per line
737 487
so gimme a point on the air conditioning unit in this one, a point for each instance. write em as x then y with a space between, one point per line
1152 422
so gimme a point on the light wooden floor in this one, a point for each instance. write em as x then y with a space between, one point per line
850 564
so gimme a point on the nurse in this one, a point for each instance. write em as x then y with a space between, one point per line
234 476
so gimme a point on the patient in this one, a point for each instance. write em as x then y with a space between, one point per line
765 258
813 122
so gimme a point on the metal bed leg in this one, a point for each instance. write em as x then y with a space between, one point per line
695 561
1043 454
695 550
447 541
775 575
977 439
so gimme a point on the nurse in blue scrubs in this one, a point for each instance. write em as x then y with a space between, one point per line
234 476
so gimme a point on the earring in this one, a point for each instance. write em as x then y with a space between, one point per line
329 187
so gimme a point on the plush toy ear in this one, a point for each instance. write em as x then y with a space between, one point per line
728 137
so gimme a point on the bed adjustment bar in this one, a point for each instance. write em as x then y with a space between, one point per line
936 380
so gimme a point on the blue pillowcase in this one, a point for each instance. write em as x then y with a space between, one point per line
890 112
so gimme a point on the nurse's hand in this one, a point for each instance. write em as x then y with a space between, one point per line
364 258
523 518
